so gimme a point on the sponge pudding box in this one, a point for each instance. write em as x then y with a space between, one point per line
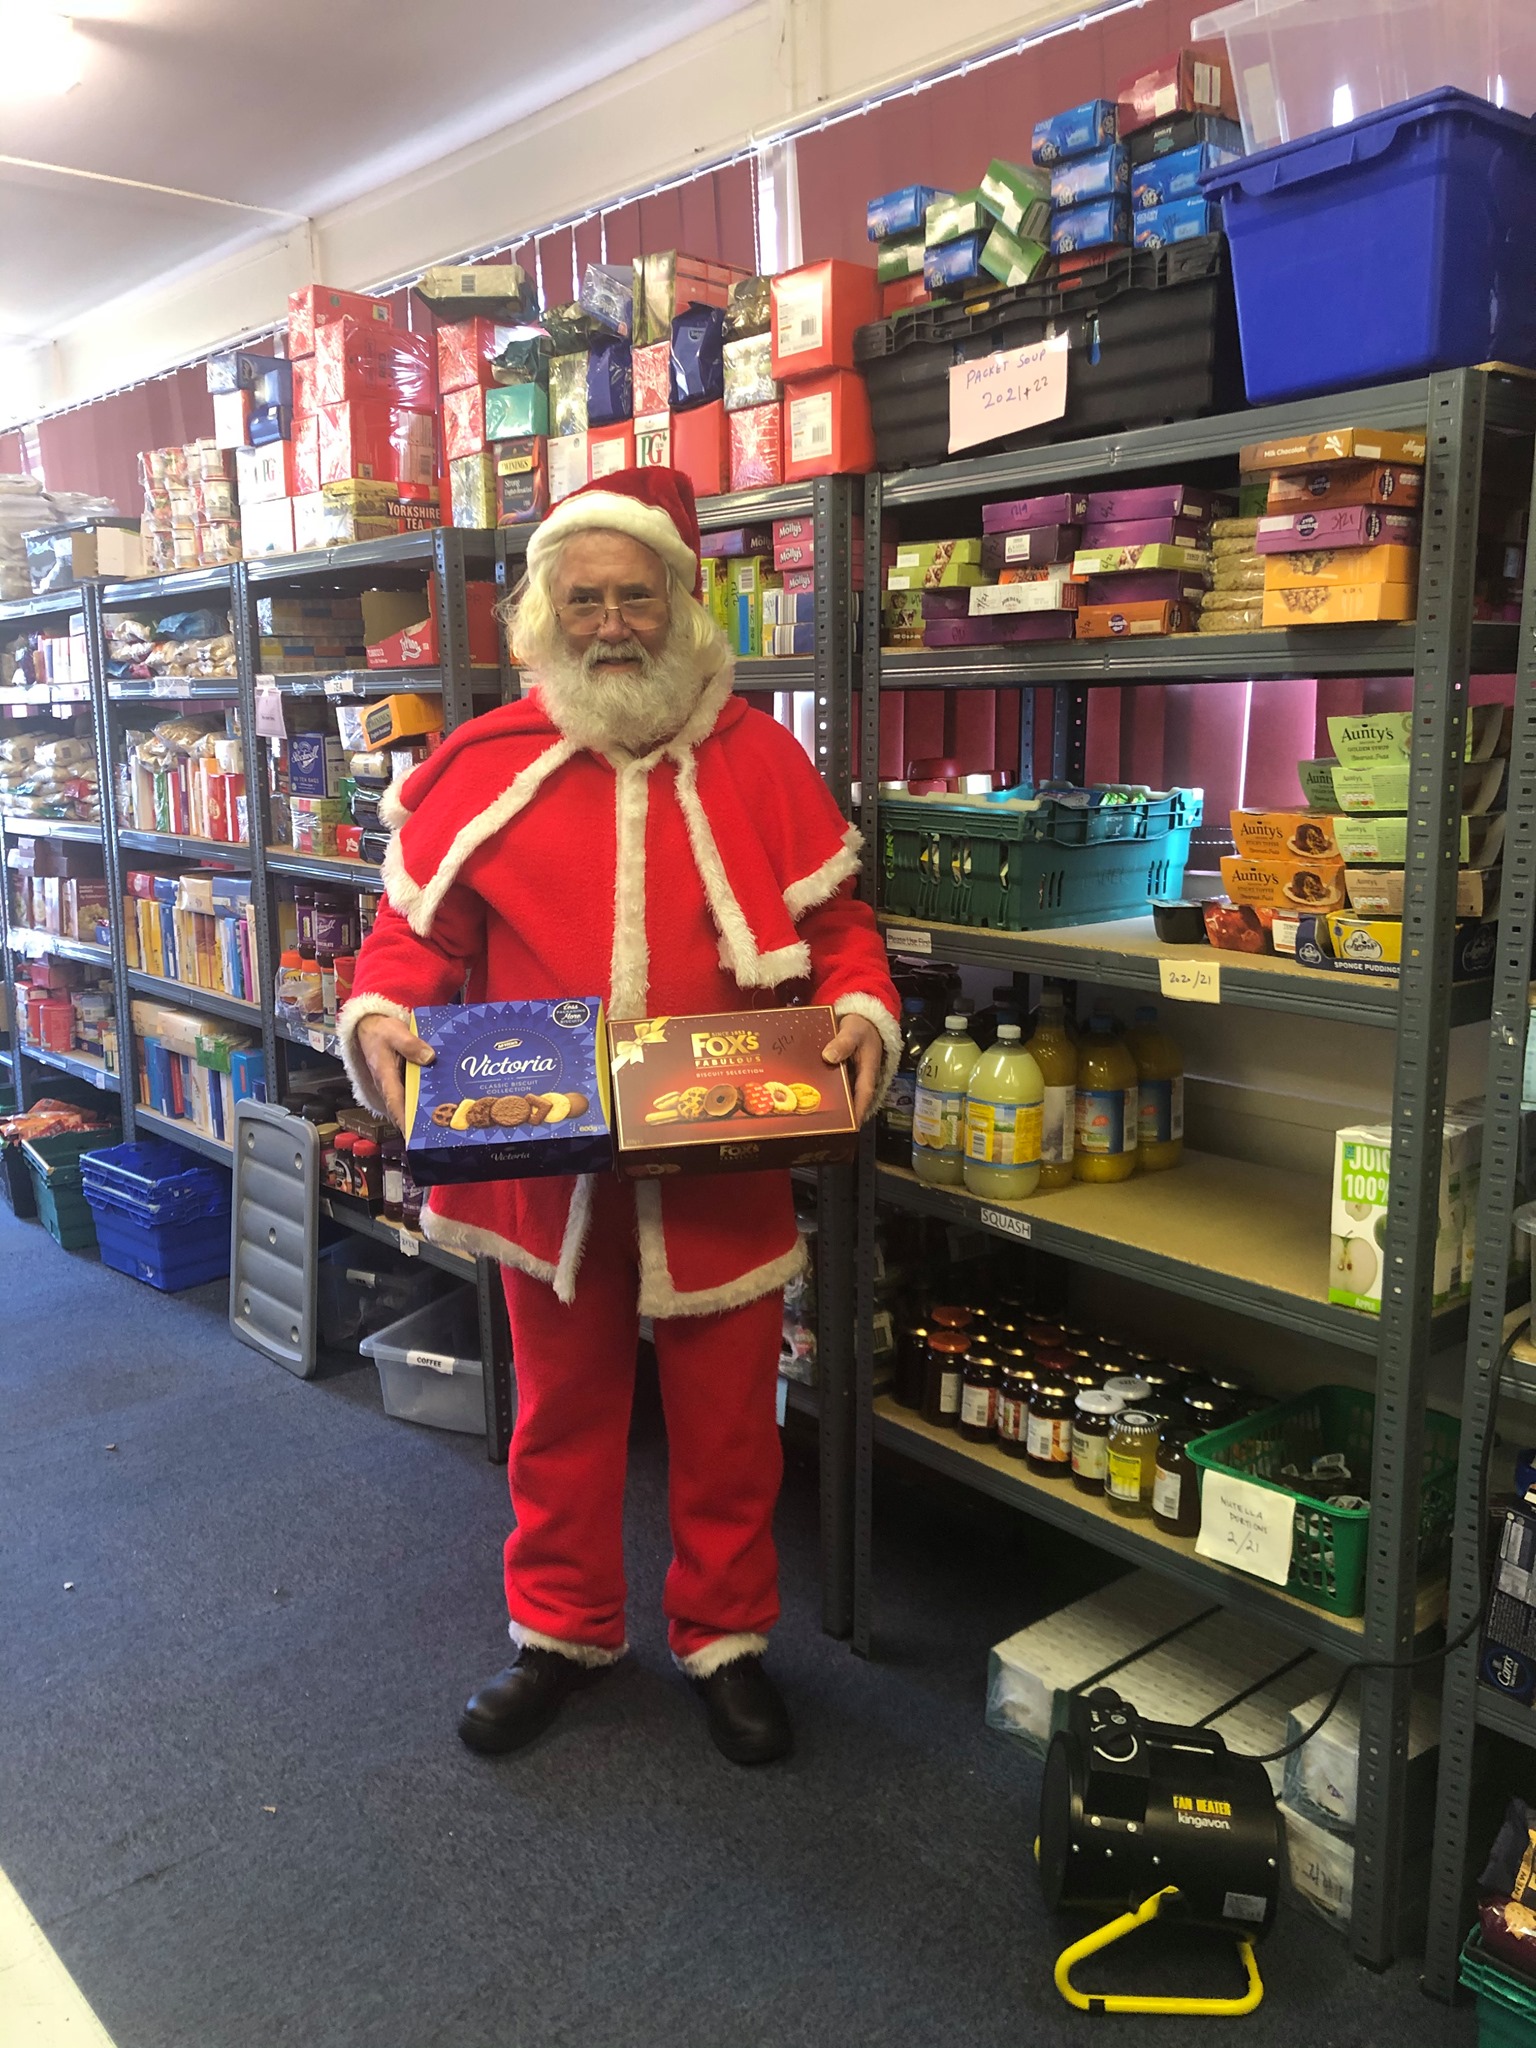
731 1093
517 1090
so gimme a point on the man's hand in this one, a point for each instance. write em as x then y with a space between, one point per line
859 1043
386 1044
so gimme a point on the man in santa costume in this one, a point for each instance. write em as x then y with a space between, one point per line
631 828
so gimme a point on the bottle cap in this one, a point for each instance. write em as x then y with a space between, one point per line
291 957
1009 1031
955 1022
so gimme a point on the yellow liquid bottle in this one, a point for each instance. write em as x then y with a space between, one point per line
1108 1118
1056 1056
1003 1107
1159 1092
938 1110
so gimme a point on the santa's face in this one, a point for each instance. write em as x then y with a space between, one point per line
611 599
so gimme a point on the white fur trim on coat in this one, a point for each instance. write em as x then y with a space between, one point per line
392 811
658 1295
612 512
352 1014
872 1008
722 1651
629 971
820 887
477 1242
417 902
592 1656
738 948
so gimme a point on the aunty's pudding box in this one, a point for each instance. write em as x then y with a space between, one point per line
731 1093
517 1091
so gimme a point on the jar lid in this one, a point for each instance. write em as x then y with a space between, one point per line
1094 1401
984 1359
1128 1387
1136 1422
949 1343
950 1318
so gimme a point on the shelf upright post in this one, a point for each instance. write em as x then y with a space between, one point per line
258 808
8 973
112 852
1069 734
1449 1910
1452 488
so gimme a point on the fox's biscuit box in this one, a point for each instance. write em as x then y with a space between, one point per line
732 1093
517 1090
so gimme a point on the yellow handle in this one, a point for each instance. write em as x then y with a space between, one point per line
1116 1930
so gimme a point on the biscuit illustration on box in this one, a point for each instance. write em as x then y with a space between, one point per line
517 1090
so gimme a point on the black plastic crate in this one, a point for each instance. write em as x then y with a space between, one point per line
1153 333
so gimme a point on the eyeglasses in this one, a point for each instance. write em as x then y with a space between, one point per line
588 615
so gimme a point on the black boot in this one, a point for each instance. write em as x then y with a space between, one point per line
520 1702
748 1720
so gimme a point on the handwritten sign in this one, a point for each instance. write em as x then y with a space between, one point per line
269 709
908 942
1246 1526
1007 393
1190 981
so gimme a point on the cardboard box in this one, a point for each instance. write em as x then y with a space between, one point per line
1045 591
378 442
1378 892
1362 1179
522 481
1152 555
1373 947
1077 132
910 291
1335 526
1326 566
1197 80
317 306
1014 515
502 291
1033 546
1381 738
1132 621
304 456
653 440
365 728
894 214
757 447
264 475
268 529
362 359
648 371
667 282
1018 196
1099 176
1345 483
1366 837
1174 176
1284 882
1384 787
1181 132
568 394
465 351
1179 220
232 419
472 490
828 430
748 372
1341 604
610 449
1340 444
317 763
951 264
518 1090
1295 835
816 312
701 448
516 411
1149 501
1104 224
568 465
953 216
1013 259
897 260
1144 533
729 1093
1507 1659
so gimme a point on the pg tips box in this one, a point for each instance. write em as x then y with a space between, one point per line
1362 1177
517 1090
731 1093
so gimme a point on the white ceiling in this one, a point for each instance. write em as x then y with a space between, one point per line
290 105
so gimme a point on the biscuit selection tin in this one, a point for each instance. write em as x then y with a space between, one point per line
517 1090
730 1093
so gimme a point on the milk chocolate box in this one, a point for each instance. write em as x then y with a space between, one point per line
729 1094
518 1090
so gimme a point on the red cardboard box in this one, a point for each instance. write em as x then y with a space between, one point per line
306 454
1193 81
360 359
649 372
757 446
610 449
827 427
816 312
464 422
303 386
376 441
417 644
317 305
464 352
903 292
701 448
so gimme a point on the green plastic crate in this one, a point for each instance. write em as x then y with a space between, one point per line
1329 1545
54 1164
1506 2001
987 865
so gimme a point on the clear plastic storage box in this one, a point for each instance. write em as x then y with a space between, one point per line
1305 65
429 1365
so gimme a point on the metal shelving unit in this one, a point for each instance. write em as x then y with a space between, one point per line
1150 1234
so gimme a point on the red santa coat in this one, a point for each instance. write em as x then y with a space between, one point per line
703 877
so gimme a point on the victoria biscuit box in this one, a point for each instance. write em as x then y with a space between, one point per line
517 1091
731 1093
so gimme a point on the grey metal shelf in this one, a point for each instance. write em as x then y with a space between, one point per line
352 1216
1503 1716
190 997
776 672
320 867
179 846
418 552
345 684
84 1066
315 1037
754 508
175 690
24 611
182 1133
22 939
13 823
176 589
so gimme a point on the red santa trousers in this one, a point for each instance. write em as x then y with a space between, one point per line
575 1369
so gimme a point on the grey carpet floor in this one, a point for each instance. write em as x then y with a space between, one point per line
231 1794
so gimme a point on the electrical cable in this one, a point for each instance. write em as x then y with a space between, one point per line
1442 1650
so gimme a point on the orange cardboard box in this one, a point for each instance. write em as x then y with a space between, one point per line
611 448
317 305
903 292
1340 444
1196 80
1284 884
828 430
1346 483
701 448
730 1093
1388 564
1131 621
1341 604
816 312
1284 835
376 441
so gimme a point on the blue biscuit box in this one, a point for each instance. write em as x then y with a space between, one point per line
1176 176
1181 220
952 263
900 213
518 1090
1099 176
1104 224
1077 132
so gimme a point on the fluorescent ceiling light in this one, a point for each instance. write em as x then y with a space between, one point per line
39 51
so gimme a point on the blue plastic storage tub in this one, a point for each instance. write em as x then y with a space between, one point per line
162 1214
1397 245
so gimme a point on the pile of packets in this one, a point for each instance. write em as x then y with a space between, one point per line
58 887
187 776
191 517
326 776
196 926
195 1068
43 657
191 644
66 1006
49 774
760 584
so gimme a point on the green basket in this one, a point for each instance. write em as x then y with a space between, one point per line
1329 1545
54 1164
1506 2001
988 865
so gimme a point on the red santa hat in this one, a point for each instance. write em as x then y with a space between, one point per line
654 505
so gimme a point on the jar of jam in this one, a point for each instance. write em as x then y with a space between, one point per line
1205 1407
949 1316
1018 1383
911 1350
1235 1390
1048 1442
1041 1332
1085 1369
341 1162
1176 1482
1114 1356
1133 1438
1053 1358
1129 1389
1094 1412
980 1386
943 1368
368 1172
1002 1329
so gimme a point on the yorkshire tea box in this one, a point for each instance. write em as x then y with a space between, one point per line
517 1091
731 1093
1362 1175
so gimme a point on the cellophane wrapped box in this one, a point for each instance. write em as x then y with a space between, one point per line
361 359
653 441
610 383
697 374
317 306
465 351
650 379
747 366
610 449
667 283
515 410
608 296
376 441
701 448
464 422
472 489
757 447
568 393
568 465
522 481
305 457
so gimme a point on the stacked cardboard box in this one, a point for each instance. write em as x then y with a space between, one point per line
196 927
194 1068
1340 535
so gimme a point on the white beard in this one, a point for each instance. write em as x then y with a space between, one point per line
607 708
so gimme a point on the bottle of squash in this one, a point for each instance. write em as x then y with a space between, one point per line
1003 1106
938 1110
1055 1055
1159 1090
1108 1116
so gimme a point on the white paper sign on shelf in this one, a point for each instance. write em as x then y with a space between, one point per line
341 686
908 942
1007 393
1249 1527
269 709
1190 981
408 1244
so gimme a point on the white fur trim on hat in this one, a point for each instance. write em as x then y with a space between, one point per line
613 512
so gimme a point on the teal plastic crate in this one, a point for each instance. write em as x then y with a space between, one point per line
1506 2001
1008 868
54 1164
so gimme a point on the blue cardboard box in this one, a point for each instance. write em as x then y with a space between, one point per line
1077 132
316 764
1181 220
1176 176
952 263
1103 225
1099 176
900 213
517 1091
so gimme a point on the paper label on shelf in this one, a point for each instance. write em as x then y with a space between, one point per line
168 686
102 1078
909 942
1006 1221
1249 1527
269 709
409 1245
781 1400
433 1361
341 686
1007 393
1190 981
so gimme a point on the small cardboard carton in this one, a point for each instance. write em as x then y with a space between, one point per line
1362 1179
1284 883
1340 444
1377 738
1295 835
736 1092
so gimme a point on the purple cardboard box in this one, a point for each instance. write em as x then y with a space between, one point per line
1035 547
1138 586
945 604
1336 526
1011 515
1135 533
1153 501
997 631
